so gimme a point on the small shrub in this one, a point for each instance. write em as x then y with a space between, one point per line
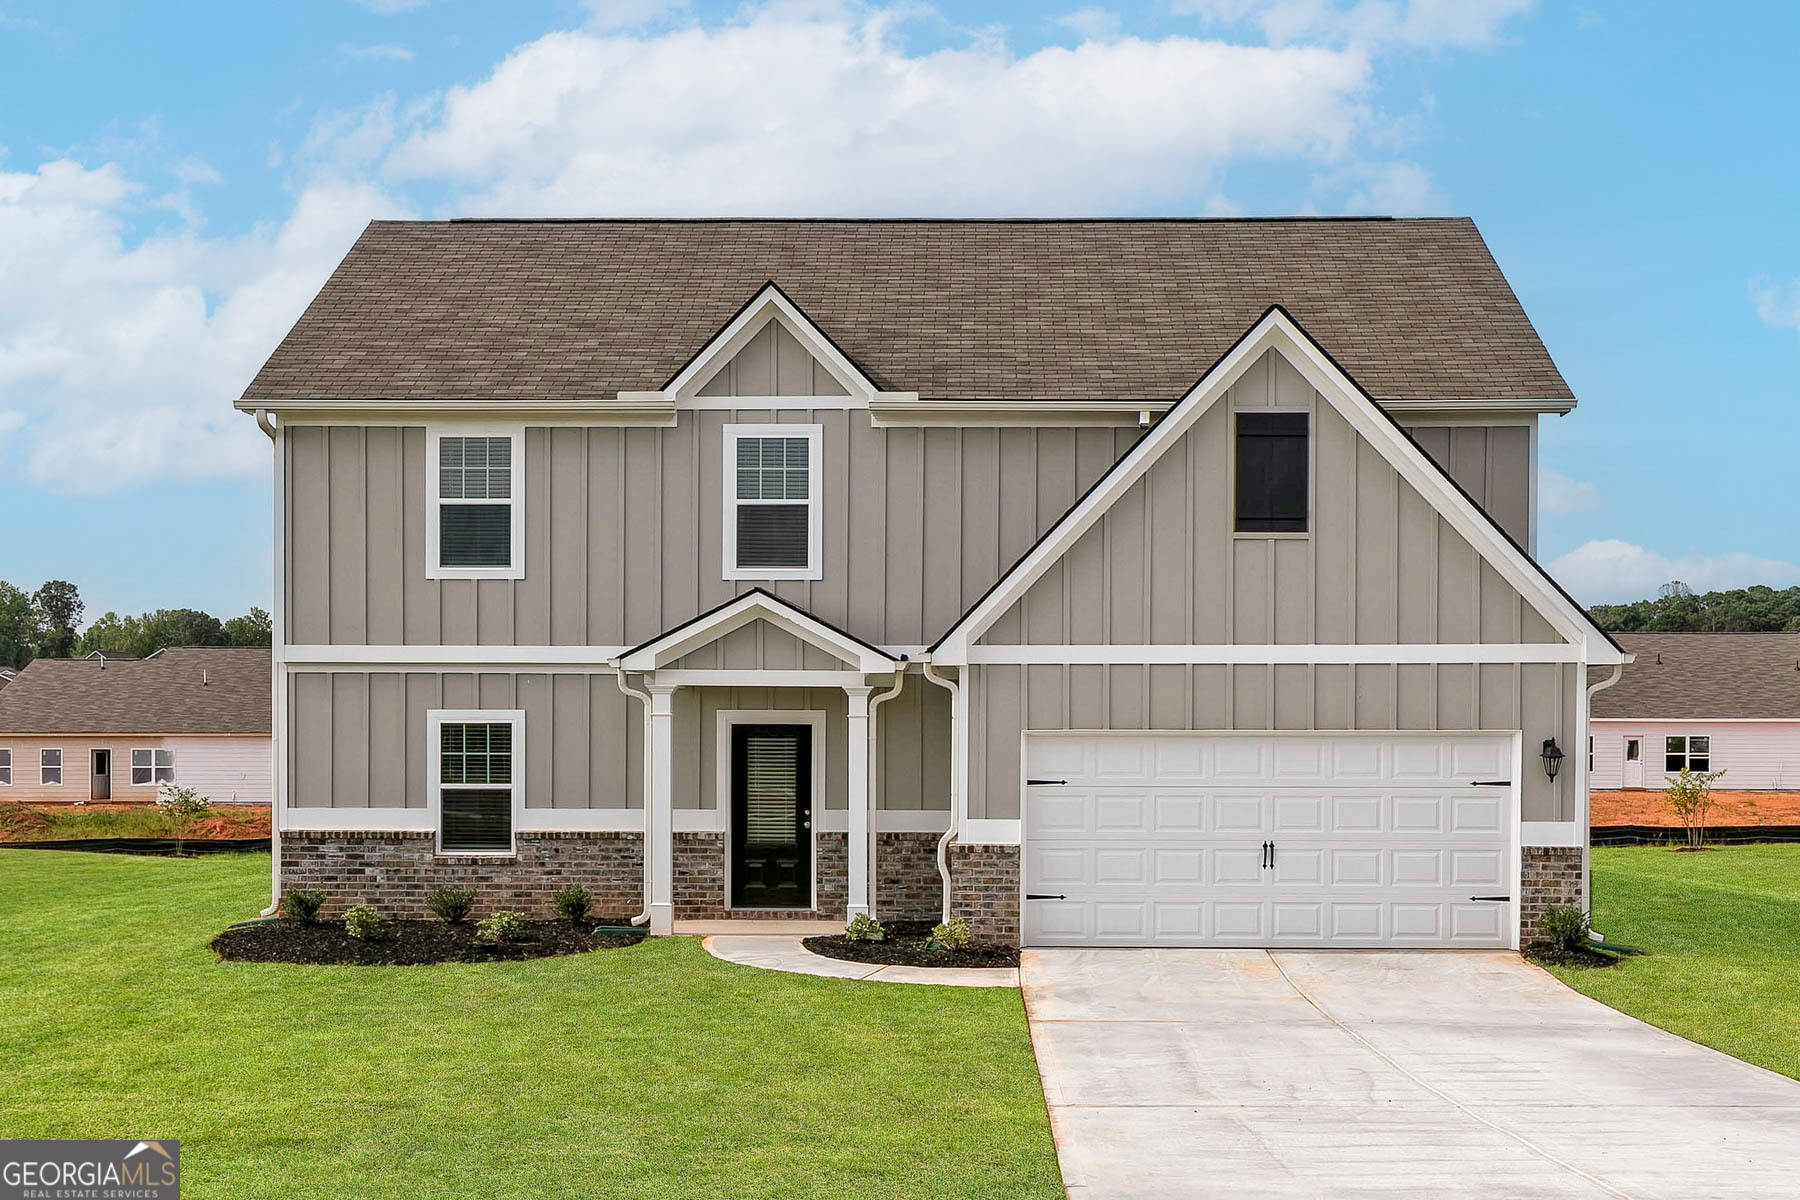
1564 926
302 906
362 922
180 807
573 902
1689 794
865 928
450 904
501 927
951 935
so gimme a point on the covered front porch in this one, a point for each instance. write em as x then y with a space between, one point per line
767 793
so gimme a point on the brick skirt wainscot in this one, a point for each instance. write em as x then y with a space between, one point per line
984 889
393 872
907 886
1548 875
699 891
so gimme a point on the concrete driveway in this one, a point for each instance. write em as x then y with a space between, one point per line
1243 1074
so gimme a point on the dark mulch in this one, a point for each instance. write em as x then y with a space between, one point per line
405 943
905 947
1552 955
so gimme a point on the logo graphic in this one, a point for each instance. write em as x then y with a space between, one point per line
100 1170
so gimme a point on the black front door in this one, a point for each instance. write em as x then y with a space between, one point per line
771 816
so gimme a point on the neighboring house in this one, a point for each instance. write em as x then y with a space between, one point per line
1710 701
7 675
790 567
112 729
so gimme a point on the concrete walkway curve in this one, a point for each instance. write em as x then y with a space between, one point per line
783 952
1351 1075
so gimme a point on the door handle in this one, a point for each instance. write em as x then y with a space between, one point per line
1268 855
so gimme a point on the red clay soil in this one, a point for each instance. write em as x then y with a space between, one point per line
1729 808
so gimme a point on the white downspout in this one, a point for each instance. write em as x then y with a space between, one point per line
874 796
956 796
278 633
1585 733
643 698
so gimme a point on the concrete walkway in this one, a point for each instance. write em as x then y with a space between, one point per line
1344 1074
783 952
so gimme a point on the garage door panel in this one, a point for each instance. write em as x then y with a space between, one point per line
1160 840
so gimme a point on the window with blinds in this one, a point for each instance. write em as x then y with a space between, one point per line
771 790
772 502
476 493
475 782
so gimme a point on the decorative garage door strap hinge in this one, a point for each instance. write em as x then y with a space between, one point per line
1043 896
1490 783
1043 782
1493 899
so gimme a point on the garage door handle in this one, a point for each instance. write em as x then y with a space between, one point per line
1043 896
1043 782
1491 783
1494 899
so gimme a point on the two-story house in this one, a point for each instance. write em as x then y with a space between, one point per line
1105 582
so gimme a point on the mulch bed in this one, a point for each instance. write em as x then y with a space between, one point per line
405 943
905 947
1550 955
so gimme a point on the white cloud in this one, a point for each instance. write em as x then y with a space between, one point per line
1092 24
628 14
1612 572
375 53
120 362
1557 493
1419 24
1778 305
719 120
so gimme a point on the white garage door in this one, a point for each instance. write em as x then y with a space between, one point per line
1257 840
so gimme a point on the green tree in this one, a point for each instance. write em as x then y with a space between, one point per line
18 626
179 627
57 607
251 629
122 635
1756 609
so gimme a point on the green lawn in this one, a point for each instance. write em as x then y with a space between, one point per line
1723 932
649 1071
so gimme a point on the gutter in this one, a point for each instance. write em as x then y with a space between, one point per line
643 698
275 740
1587 786
873 795
956 796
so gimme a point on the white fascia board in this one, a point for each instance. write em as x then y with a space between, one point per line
769 304
754 606
906 410
628 408
757 678
1277 331
433 656
1258 655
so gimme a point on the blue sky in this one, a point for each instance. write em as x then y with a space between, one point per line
173 190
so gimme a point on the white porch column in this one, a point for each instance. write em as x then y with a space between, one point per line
858 768
659 837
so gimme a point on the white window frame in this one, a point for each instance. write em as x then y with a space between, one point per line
45 765
434 435
1687 751
435 720
153 767
6 765
815 485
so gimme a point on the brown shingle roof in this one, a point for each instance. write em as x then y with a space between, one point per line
161 694
1053 310
1691 676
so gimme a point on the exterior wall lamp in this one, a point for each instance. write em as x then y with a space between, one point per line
1553 757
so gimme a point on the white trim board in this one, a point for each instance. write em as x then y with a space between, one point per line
756 605
1260 655
769 304
1277 331
499 656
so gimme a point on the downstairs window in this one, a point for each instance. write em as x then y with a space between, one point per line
477 779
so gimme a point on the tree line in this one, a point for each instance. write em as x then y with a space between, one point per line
47 624
1741 610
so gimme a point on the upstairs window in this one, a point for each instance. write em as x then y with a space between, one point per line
152 766
475 518
475 774
772 513
1272 472
5 766
1694 753
50 768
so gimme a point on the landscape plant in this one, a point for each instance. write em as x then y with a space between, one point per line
452 904
950 935
573 902
180 807
362 922
864 928
1565 927
302 905
501 927
1689 794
